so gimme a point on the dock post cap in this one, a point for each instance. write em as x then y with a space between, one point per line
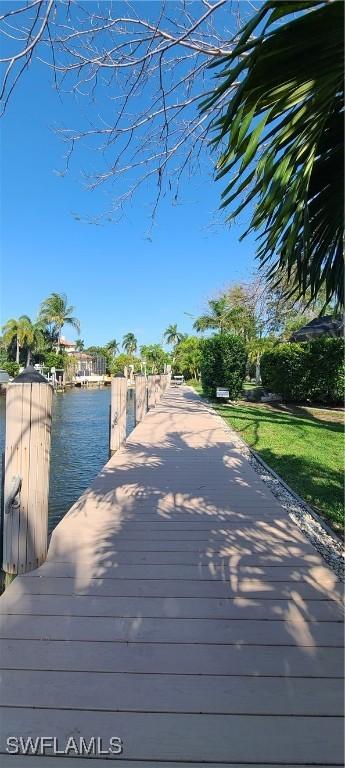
30 375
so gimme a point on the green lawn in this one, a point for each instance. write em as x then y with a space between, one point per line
304 445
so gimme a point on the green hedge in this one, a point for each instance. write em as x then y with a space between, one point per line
311 371
223 364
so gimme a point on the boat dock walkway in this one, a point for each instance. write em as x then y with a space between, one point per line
179 609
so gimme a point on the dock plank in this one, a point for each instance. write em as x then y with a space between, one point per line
171 607
245 587
187 737
17 761
257 660
166 630
206 694
108 568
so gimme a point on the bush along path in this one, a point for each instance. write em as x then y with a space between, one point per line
223 364
312 371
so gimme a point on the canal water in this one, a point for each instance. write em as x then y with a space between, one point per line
79 446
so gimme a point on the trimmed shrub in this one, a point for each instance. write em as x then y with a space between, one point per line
310 371
285 371
326 370
223 364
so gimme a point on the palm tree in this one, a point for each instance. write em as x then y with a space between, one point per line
217 318
233 311
279 124
172 335
129 343
56 311
33 337
79 345
24 332
10 332
113 347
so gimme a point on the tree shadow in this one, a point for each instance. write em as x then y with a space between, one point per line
321 485
278 414
316 483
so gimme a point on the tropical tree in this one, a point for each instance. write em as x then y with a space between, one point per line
25 333
79 345
35 340
113 346
155 357
129 343
233 310
215 319
188 357
280 98
57 312
172 335
11 333
123 361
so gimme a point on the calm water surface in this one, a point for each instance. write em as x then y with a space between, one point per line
79 447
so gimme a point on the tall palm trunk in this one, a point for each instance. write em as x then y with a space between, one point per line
17 351
28 357
59 328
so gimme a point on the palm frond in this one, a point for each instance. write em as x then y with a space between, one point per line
281 131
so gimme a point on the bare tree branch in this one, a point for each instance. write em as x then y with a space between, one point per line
138 76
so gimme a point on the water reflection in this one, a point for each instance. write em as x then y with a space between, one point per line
80 436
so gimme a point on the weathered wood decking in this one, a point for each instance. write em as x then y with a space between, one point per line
180 609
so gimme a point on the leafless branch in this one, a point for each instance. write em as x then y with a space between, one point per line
138 77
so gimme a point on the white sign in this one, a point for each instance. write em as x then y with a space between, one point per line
222 392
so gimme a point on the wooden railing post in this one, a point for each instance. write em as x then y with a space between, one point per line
118 412
140 397
158 388
26 484
151 389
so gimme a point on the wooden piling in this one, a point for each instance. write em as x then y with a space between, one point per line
118 412
158 388
27 461
151 391
140 397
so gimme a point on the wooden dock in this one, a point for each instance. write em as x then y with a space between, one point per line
180 609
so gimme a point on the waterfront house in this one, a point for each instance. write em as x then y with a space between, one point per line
67 346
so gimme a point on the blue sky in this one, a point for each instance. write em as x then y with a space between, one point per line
117 279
